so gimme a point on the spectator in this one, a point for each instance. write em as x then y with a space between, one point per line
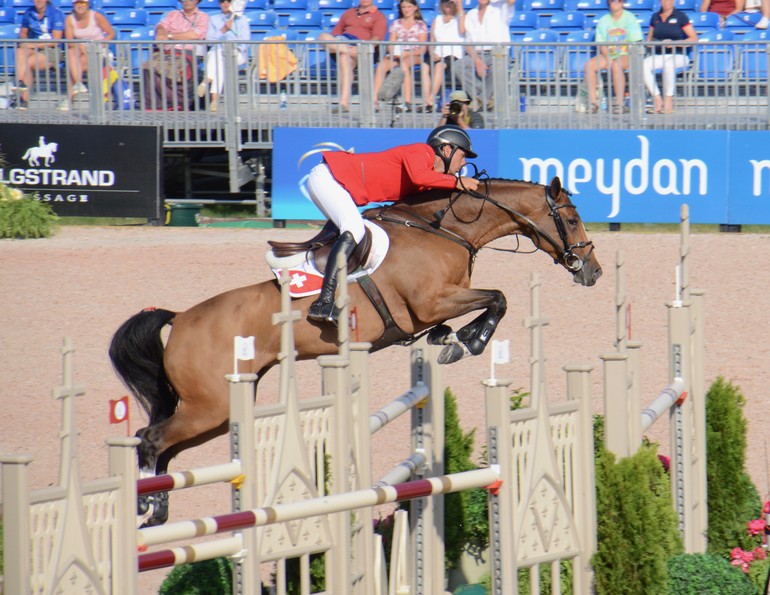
408 27
458 112
86 24
223 26
45 23
762 6
484 25
668 24
724 8
621 28
447 28
168 75
365 22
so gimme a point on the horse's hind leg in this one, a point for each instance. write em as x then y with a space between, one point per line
162 442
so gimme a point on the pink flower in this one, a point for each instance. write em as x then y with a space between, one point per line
756 526
666 462
736 553
747 557
766 507
760 553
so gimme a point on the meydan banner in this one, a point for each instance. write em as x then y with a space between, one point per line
628 176
87 171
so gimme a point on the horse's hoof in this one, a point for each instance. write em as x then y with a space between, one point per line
438 334
451 354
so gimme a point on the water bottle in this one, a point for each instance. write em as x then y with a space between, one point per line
522 103
283 99
604 103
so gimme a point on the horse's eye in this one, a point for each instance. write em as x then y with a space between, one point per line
572 221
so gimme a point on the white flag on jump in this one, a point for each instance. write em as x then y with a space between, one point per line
244 348
501 351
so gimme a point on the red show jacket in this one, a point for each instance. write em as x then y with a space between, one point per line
389 175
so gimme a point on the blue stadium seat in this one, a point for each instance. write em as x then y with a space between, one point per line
753 57
703 21
330 20
523 20
138 53
742 23
257 5
385 5
160 6
549 6
8 52
209 6
588 6
284 8
331 6
7 15
539 62
566 21
634 5
576 56
261 20
643 18
108 6
714 63
687 5
305 21
128 19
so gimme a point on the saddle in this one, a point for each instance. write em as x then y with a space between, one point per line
321 245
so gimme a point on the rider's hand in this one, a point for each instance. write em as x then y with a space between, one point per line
464 183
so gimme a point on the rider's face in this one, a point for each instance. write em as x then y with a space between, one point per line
458 160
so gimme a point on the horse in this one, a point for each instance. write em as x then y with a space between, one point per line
423 282
46 152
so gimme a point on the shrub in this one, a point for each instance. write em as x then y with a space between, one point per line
23 217
637 526
706 574
732 497
210 577
465 513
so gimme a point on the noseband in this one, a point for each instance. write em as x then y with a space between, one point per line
571 260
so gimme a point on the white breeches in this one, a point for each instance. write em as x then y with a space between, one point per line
215 67
334 201
669 63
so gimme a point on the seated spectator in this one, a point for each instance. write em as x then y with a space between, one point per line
364 22
447 28
223 26
45 23
408 27
484 25
458 112
724 8
668 24
620 27
762 6
83 23
168 75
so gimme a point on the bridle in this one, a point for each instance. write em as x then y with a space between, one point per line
566 250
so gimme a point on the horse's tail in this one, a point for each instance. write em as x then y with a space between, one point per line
136 352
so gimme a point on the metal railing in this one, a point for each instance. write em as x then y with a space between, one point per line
535 85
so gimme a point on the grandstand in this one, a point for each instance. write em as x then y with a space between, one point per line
540 71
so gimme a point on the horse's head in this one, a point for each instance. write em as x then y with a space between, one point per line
556 228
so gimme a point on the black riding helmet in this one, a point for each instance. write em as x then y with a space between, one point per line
455 137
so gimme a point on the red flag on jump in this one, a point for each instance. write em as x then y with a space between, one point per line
119 410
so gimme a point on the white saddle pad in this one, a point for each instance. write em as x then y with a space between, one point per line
305 277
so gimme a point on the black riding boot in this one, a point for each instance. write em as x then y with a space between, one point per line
323 309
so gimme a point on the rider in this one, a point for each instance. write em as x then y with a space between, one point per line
345 181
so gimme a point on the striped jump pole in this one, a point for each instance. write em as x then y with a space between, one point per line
668 397
185 530
232 471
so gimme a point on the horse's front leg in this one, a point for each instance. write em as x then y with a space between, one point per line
473 338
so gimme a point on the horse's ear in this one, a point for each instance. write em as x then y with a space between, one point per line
555 187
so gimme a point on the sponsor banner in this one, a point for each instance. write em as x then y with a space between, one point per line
87 171
615 176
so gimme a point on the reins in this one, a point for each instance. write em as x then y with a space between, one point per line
565 249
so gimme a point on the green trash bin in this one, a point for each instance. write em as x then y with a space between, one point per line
183 215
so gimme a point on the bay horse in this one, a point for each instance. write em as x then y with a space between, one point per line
423 282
